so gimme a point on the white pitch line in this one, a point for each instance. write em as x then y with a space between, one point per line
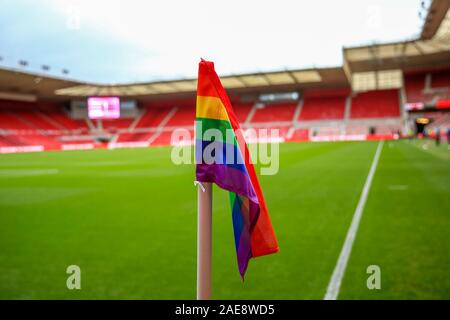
341 265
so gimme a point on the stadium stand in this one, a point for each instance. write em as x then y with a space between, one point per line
50 127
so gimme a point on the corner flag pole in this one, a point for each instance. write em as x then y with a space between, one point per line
204 240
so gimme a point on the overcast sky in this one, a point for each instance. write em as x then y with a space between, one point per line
111 41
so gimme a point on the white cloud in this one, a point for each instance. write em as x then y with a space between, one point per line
240 36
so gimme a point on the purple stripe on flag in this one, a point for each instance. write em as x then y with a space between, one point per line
227 178
244 250
245 214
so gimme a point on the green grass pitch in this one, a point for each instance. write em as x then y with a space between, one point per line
128 219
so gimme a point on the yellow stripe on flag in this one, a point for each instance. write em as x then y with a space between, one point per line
211 107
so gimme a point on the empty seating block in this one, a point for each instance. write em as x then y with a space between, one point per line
440 80
152 117
9 121
327 108
36 120
184 116
414 86
64 122
116 123
376 104
242 110
274 113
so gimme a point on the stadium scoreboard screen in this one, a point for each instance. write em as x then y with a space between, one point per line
104 107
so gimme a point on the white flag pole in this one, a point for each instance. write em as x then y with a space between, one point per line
204 240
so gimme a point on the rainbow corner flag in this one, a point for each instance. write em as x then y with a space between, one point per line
253 232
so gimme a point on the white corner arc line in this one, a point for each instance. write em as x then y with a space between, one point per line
339 270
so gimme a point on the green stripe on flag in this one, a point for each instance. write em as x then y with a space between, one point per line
222 125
